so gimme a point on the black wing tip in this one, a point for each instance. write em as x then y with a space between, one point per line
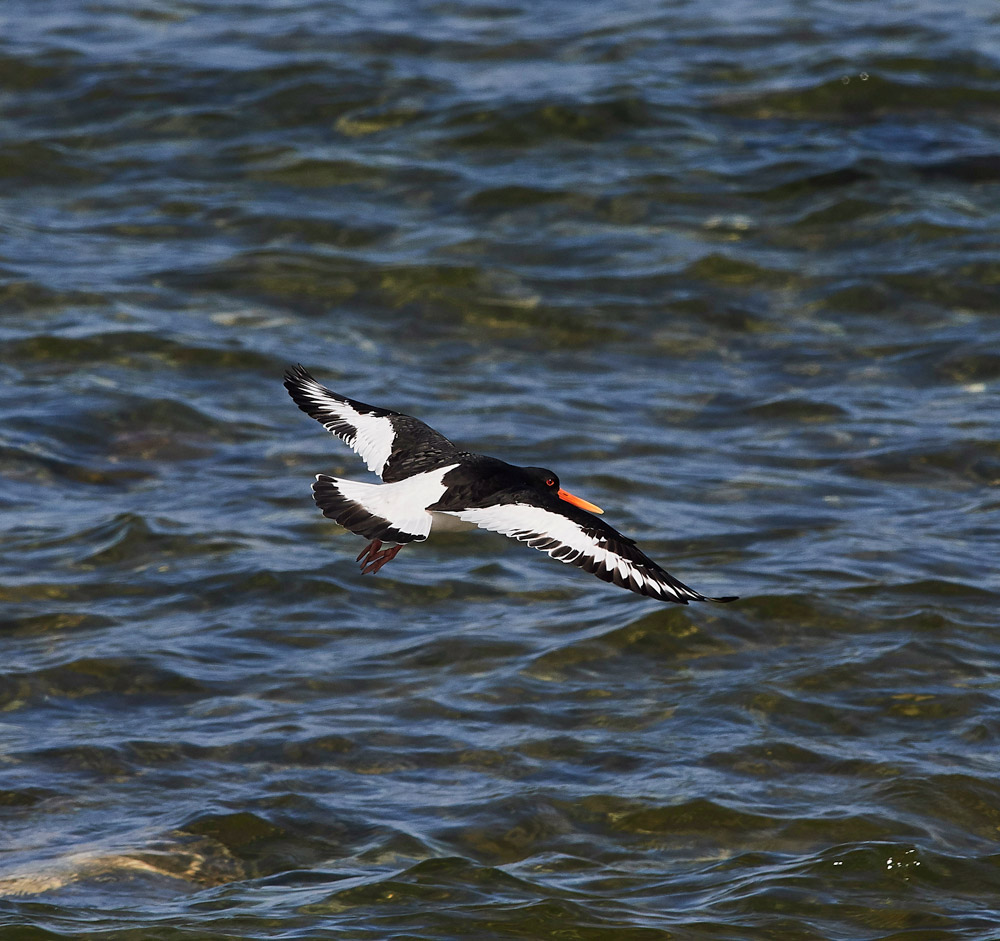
298 382
687 599
294 382
681 594
297 373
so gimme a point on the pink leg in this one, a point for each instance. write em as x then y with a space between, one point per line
377 559
370 550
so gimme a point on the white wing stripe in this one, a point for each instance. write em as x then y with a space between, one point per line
565 540
374 435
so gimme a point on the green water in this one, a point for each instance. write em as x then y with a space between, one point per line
731 271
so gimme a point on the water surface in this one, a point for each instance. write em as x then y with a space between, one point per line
731 272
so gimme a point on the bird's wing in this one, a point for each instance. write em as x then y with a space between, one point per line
393 445
576 537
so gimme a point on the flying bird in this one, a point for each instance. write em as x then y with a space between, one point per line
430 484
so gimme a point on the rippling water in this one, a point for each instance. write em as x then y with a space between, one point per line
731 270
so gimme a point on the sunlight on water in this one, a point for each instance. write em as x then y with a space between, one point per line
730 272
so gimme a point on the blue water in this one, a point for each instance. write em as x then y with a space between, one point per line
731 272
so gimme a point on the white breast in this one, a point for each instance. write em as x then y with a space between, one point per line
447 523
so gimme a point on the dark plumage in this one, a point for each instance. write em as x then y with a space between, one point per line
429 483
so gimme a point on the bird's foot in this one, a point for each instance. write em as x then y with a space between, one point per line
373 556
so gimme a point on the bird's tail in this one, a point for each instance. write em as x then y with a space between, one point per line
356 506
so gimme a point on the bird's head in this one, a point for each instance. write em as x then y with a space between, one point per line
547 480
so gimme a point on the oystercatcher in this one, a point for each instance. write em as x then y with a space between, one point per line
430 484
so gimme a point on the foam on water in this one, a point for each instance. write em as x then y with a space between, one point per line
744 306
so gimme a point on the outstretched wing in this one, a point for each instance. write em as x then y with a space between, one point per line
393 445
578 538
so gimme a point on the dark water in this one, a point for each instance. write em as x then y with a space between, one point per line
733 270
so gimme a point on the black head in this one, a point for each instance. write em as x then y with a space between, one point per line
546 480
542 478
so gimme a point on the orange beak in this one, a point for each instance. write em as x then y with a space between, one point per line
576 501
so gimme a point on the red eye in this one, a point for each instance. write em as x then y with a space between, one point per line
550 482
